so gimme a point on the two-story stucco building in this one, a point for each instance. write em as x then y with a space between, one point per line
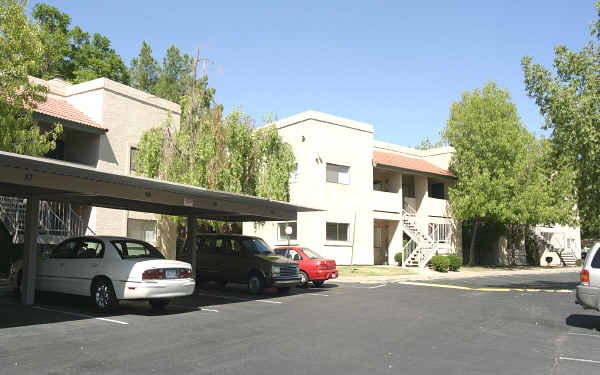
103 121
377 199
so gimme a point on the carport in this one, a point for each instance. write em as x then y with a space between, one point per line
47 179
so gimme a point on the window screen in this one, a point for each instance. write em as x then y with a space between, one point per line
336 231
338 174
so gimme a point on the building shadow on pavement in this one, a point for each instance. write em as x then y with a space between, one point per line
584 321
538 284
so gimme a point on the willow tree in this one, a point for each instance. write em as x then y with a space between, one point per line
217 152
21 53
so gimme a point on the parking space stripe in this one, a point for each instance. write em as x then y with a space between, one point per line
80 315
489 289
579 360
238 298
211 310
584 334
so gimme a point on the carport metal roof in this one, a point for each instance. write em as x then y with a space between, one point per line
48 179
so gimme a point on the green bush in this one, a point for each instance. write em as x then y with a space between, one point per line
440 263
455 262
398 258
579 262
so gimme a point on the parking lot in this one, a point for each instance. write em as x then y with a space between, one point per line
495 325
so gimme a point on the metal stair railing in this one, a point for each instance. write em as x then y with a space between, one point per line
561 252
55 219
425 244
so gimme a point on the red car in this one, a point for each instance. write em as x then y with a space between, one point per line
312 266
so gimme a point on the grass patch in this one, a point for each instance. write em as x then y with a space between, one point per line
373 271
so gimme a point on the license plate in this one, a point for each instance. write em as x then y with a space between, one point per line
170 274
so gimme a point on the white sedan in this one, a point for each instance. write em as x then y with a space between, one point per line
110 269
588 291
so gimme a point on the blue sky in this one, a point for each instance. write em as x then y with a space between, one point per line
397 64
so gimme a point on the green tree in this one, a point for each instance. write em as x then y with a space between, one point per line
175 76
144 70
73 53
569 99
20 53
426 144
502 169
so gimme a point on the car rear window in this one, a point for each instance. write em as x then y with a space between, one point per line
136 249
596 260
311 254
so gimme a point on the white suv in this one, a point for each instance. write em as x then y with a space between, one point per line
588 292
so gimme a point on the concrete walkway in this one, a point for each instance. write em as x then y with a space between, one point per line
427 274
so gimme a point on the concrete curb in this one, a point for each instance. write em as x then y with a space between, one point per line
427 274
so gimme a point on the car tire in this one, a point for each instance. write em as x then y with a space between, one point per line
104 295
284 289
159 303
256 283
303 283
318 283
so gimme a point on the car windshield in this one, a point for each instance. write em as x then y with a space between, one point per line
311 254
256 246
128 249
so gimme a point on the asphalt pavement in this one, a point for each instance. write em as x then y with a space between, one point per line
489 325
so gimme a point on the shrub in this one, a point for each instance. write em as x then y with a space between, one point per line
455 262
579 262
440 263
398 258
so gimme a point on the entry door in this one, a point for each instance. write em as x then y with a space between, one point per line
378 250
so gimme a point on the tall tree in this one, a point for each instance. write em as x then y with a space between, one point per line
21 52
175 76
502 169
569 99
426 144
73 53
144 70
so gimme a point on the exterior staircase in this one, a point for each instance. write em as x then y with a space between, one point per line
57 220
421 246
567 257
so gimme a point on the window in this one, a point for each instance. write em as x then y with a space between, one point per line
408 186
294 173
440 233
570 243
596 260
134 249
282 236
89 249
143 230
294 255
336 232
64 250
256 246
338 174
311 254
437 189
133 153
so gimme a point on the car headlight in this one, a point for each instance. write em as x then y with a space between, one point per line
275 270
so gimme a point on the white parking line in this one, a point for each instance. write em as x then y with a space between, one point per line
583 334
364 287
80 315
211 310
316 294
579 360
238 298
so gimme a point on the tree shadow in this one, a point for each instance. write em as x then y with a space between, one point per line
538 284
584 321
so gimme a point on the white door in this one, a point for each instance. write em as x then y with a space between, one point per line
594 268
51 272
80 269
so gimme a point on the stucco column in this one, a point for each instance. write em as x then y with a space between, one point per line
30 252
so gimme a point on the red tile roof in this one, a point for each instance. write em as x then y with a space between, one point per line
65 111
412 164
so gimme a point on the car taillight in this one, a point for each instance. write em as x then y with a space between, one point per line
185 273
585 277
153 274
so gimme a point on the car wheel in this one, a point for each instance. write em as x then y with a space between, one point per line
303 280
104 295
159 303
284 289
318 283
256 284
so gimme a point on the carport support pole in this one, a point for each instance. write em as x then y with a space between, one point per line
29 251
193 244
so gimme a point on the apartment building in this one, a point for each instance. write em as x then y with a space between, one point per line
377 199
103 121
